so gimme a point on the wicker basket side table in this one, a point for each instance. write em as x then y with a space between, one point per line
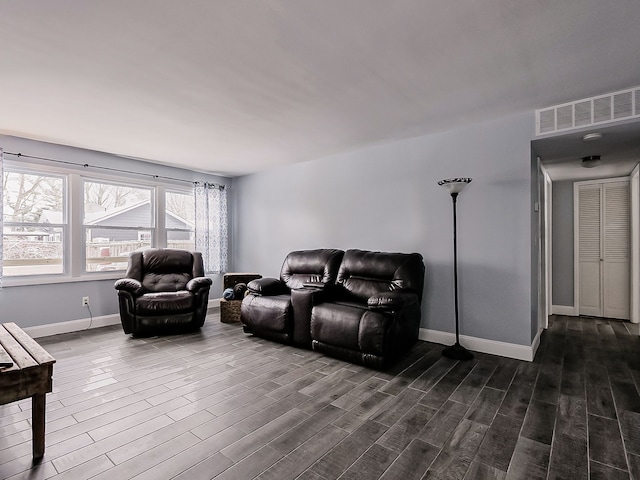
230 309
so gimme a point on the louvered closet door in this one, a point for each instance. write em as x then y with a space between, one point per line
589 250
616 250
604 249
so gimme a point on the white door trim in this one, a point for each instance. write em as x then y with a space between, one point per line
576 251
635 244
547 247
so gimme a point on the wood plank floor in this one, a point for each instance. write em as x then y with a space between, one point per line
220 404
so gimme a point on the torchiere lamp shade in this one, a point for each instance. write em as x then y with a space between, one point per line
455 185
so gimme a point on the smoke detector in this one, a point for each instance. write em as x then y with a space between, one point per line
591 161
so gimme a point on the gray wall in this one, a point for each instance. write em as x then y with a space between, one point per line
51 303
386 198
562 243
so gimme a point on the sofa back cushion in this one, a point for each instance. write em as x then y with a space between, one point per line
310 266
364 273
164 269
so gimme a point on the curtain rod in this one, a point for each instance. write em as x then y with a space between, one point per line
111 169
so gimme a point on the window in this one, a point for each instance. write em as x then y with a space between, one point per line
61 224
118 220
35 224
179 220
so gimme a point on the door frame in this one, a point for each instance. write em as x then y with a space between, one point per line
635 244
634 295
543 317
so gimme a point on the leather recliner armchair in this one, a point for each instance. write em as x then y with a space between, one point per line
164 290
270 308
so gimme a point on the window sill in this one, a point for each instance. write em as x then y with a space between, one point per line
8 282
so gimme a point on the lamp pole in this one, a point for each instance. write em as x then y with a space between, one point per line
455 186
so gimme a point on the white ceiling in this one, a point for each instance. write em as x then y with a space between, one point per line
232 87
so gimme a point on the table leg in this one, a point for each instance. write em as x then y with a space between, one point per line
37 424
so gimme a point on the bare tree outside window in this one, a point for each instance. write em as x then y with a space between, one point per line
109 196
26 196
180 220
182 205
34 223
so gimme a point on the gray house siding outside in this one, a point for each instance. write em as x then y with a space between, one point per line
135 217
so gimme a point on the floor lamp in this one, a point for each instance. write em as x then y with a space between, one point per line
455 186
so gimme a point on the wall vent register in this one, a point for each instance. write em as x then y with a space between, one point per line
612 107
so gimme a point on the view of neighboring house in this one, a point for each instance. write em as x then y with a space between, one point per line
111 233
127 216
131 216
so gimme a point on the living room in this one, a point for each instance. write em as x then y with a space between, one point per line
330 126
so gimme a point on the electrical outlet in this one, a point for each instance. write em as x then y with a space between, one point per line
85 301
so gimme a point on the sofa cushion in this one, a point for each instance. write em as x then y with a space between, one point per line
310 266
336 324
363 274
168 282
350 326
167 260
157 303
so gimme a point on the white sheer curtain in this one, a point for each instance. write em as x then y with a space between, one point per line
1 212
211 226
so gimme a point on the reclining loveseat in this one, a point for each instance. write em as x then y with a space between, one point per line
357 305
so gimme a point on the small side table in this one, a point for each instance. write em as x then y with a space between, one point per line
29 376
230 309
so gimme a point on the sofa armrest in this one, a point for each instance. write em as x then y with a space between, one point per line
391 300
302 302
199 283
267 287
130 285
315 285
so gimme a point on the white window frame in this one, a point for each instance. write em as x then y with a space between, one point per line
10 167
136 228
74 250
180 191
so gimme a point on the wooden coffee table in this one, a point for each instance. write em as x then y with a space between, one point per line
29 376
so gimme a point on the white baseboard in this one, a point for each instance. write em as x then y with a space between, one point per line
536 343
72 326
503 349
493 347
40 331
563 310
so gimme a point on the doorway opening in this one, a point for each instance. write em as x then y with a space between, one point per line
559 158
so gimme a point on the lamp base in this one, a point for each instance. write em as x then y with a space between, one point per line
457 352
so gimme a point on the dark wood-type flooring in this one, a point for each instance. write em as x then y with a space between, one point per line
220 404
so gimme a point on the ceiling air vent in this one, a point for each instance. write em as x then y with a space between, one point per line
615 106
565 117
601 109
547 122
623 105
583 113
